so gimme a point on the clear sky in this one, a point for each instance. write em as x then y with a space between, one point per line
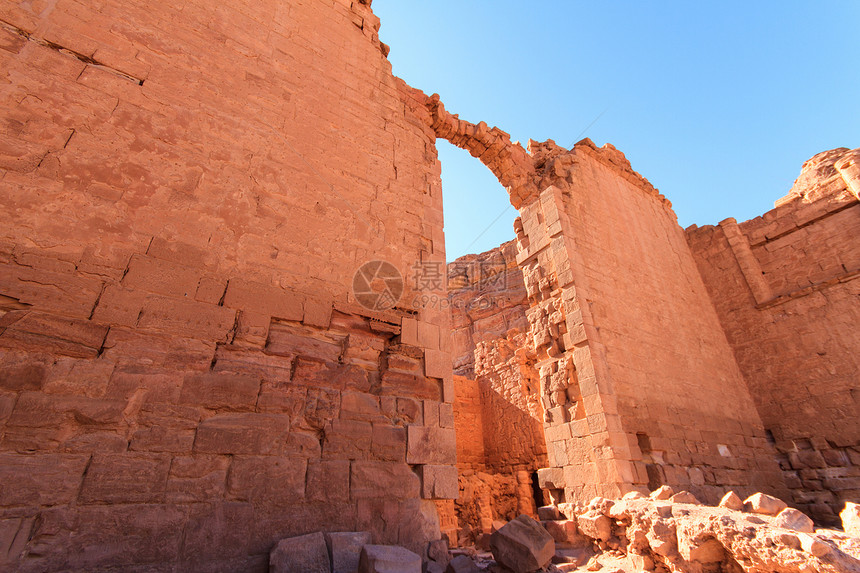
718 104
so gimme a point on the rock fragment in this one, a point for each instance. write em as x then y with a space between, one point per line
522 545
685 497
462 564
662 492
790 518
732 501
764 504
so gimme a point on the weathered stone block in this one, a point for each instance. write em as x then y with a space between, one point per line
439 482
388 559
248 434
344 548
428 445
304 554
220 391
522 545
388 443
267 480
595 526
264 299
126 478
410 385
197 478
186 318
383 479
40 479
347 439
160 276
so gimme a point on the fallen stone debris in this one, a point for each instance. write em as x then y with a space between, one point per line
666 532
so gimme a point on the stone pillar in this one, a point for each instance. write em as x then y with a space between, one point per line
584 435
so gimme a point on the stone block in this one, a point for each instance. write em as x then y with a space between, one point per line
410 385
267 480
522 545
22 376
429 445
197 478
243 434
186 318
595 526
304 554
220 391
328 481
409 331
331 375
551 478
40 479
685 497
317 312
439 482
161 277
286 339
212 531
383 479
388 443
347 439
438 364
344 549
265 299
126 478
462 564
388 559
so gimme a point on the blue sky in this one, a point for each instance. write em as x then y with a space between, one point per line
717 103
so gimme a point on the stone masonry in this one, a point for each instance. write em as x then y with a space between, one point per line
497 411
785 288
638 383
185 375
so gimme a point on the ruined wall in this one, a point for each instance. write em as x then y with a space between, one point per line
671 381
185 374
500 441
785 287
637 381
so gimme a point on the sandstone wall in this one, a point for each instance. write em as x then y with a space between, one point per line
666 377
185 377
785 287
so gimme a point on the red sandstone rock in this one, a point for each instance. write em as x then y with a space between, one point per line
663 492
732 501
790 518
765 504
522 545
